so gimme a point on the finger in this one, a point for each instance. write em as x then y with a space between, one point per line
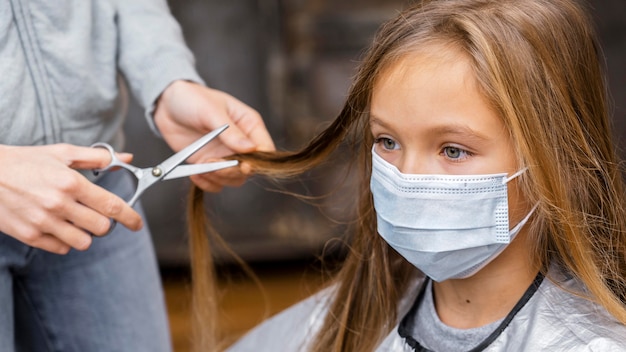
206 184
238 136
236 140
250 124
86 157
263 140
221 181
253 127
51 244
32 236
110 206
227 178
89 220
67 233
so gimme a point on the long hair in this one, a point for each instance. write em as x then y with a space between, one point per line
540 66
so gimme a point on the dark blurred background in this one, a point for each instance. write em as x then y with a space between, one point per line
292 60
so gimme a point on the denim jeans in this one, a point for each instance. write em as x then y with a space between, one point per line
108 298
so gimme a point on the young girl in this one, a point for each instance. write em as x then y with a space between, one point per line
491 214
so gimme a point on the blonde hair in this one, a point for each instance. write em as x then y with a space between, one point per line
539 64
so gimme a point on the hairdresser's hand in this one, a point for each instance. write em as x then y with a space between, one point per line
186 111
47 204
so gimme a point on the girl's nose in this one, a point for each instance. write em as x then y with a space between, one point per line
413 164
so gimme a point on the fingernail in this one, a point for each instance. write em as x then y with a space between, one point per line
139 225
84 243
245 168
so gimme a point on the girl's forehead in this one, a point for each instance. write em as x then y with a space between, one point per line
430 58
431 65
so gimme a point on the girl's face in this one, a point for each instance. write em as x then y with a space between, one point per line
429 117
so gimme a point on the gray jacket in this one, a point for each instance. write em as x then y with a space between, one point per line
63 65
552 319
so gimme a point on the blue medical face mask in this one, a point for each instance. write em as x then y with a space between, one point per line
448 226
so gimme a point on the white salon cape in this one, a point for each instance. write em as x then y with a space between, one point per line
551 320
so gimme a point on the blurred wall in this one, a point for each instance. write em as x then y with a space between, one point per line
292 61
610 18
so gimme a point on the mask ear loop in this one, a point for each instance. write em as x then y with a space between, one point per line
508 179
522 222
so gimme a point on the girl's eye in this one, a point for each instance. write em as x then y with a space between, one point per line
455 153
387 143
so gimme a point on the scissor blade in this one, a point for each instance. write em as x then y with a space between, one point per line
194 169
175 160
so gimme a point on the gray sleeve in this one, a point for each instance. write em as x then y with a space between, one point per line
152 52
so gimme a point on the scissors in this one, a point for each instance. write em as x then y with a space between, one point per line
170 168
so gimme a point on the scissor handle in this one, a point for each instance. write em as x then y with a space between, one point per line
115 162
139 173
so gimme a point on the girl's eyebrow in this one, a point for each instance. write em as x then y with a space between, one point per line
460 130
456 129
376 121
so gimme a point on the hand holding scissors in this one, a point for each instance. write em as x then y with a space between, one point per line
170 168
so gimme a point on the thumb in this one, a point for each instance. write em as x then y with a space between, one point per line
92 158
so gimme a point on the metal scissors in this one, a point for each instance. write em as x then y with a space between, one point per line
170 168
